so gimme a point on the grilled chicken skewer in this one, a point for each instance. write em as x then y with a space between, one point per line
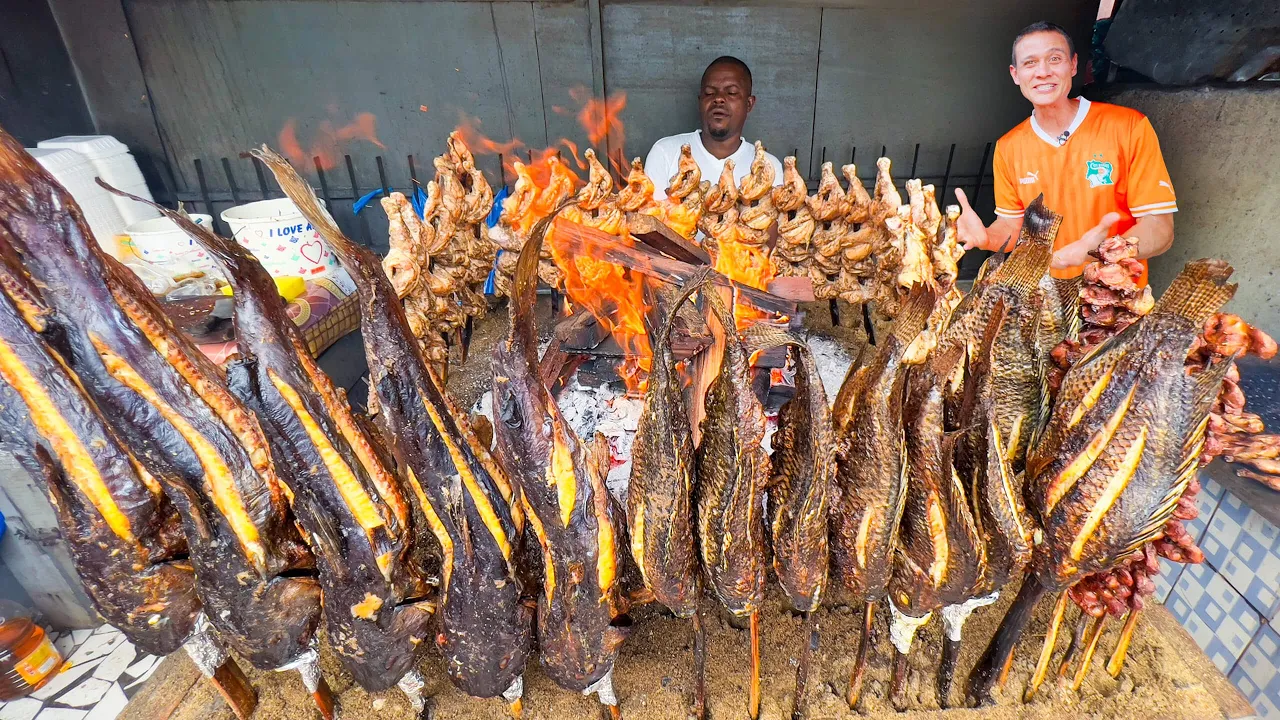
350 505
802 466
203 446
485 627
123 535
1118 452
580 621
660 495
870 482
733 470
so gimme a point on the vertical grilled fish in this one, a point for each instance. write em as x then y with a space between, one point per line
485 627
348 502
187 430
580 621
870 481
733 470
121 531
1119 450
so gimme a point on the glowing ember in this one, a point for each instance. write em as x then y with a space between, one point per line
326 146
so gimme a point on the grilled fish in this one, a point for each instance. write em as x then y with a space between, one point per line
580 621
123 535
204 447
485 630
1119 450
348 502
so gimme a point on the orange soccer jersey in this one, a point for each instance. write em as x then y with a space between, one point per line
1108 160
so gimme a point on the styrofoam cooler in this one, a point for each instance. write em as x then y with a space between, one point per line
112 162
284 242
74 172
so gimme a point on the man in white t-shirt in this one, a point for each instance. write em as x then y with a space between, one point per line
724 102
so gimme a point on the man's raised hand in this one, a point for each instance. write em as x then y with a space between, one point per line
970 230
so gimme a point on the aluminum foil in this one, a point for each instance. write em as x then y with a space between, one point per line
955 615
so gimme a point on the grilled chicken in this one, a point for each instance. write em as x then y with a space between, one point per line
733 469
350 505
1118 452
719 210
637 195
660 494
940 555
485 631
561 484
597 205
123 535
802 468
869 486
755 196
682 206
187 430
792 251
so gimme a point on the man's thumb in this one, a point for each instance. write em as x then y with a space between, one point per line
964 201
1104 225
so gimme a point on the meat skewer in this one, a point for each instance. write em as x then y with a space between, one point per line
561 483
485 626
350 505
660 494
682 207
203 446
1119 451
869 488
803 464
733 470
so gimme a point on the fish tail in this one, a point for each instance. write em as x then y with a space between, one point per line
764 336
304 197
1039 224
915 312
722 311
1024 267
1198 291
696 283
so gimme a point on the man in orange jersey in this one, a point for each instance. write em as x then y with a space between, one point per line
1098 165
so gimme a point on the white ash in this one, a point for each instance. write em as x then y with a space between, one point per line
833 363
605 409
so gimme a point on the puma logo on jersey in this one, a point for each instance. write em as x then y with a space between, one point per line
1165 184
1031 177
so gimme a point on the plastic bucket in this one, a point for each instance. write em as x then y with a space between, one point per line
160 241
282 240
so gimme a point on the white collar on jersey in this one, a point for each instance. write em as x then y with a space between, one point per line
1059 141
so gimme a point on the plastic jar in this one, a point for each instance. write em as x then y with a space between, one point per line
28 658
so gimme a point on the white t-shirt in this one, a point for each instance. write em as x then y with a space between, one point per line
664 159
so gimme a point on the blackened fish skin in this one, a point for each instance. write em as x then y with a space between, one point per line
485 631
580 623
349 503
171 407
123 536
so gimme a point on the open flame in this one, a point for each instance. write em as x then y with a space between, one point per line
326 146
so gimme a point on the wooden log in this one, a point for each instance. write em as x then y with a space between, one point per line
658 235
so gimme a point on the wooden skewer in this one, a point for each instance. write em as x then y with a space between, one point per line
860 660
699 664
1116 663
1077 639
1095 632
753 699
1046 652
898 681
802 673
1004 671
516 708
323 698
235 688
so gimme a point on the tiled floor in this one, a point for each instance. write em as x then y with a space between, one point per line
101 672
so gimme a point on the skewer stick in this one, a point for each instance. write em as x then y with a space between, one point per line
898 681
1095 632
802 673
1116 663
234 687
999 653
753 699
516 707
323 698
1046 652
1077 639
860 660
699 664
947 670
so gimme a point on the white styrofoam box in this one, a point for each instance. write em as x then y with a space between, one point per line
73 171
116 166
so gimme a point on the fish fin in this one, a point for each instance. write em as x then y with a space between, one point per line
1039 224
1198 291
1069 300
304 198
723 311
988 268
766 336
915 312
943 363
1207 383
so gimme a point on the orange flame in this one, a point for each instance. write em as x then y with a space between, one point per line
748 265
326 146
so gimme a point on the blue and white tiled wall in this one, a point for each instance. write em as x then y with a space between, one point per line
1230 603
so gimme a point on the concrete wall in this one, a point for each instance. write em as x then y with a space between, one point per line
1221 146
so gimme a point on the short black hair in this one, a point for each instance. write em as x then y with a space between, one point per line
1038 27
730 60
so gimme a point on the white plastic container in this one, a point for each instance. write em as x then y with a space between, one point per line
282 240
74 172
112 162
160 241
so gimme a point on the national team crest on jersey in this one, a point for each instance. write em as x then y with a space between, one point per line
1098 173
